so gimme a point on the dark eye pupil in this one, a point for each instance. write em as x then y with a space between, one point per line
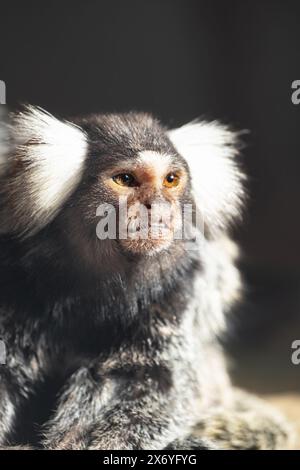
170 178
125 179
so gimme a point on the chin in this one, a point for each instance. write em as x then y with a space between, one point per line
147 247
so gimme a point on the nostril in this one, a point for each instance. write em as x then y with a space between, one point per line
148 205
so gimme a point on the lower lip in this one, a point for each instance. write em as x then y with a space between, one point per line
152 228
159 227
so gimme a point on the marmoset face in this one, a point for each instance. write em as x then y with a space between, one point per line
137 184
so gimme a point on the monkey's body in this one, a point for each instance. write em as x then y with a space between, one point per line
133 338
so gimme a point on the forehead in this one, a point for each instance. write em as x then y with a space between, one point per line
133 137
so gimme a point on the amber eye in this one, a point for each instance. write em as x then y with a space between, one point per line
171 180
125 179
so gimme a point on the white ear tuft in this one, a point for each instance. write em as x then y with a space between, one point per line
210 150
46 166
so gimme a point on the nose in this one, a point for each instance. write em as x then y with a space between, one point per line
150 195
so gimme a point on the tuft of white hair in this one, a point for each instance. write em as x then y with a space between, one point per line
210 150
51 154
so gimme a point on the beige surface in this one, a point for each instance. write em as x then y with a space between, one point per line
265 368
289 404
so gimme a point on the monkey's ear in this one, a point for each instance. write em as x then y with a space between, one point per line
210 150
43 166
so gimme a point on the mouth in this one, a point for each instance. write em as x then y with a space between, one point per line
153 231
148 239
160 230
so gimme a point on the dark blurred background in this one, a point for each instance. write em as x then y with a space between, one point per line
228 60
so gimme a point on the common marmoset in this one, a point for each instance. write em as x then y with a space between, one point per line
126 328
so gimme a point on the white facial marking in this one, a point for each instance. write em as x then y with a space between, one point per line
159 163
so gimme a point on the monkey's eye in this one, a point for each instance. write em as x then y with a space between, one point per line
171 180
125 179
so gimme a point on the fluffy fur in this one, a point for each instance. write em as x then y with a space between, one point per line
210 150
127 343
47 165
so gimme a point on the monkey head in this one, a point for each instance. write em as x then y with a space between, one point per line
115 182
137 183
